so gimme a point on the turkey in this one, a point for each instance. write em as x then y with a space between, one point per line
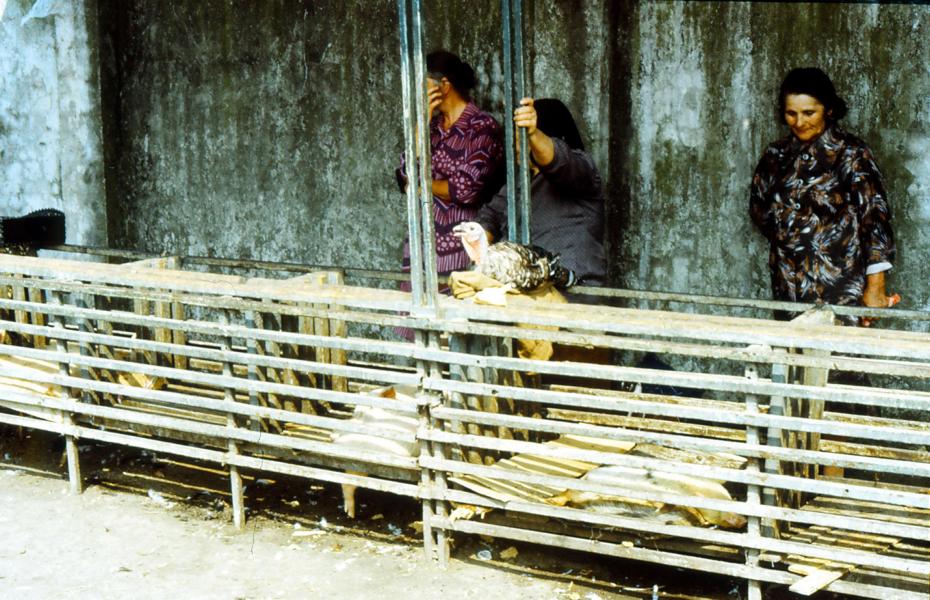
387 420
522 267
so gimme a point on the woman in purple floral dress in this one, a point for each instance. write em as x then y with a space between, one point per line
466 156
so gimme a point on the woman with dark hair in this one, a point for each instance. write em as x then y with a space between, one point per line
818 197
567 202
465 152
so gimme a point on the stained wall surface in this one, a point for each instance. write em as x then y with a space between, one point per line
270 130
51 152
264 130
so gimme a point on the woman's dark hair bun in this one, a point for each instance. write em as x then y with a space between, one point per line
813 82
458 72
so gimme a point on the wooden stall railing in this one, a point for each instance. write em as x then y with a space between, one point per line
785 453
249 373
773 473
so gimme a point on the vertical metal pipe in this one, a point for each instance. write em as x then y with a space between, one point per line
519 80
426 474
419 210
430 280
439 451
410 133
508 121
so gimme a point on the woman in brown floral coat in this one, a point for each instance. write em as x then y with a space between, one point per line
818 197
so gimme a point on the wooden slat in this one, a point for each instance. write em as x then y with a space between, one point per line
506 491
816 579
644 423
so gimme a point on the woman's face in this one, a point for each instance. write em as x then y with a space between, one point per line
805 116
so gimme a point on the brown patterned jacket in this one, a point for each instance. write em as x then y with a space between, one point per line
823 208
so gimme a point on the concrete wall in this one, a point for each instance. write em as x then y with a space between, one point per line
270 129
263 130
51 155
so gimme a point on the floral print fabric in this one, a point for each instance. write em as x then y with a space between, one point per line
469 156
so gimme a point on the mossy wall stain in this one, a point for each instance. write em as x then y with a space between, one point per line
258 130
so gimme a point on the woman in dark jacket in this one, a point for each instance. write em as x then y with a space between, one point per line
818 197
567 201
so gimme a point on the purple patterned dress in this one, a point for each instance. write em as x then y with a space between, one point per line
468 155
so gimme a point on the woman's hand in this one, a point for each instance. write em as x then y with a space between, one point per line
874 296
525 116
541 146
433 96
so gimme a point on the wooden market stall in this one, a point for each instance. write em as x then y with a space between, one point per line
750 462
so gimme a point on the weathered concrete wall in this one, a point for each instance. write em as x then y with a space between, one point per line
51 154
270 130
263 130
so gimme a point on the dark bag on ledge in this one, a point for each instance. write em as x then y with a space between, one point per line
38 229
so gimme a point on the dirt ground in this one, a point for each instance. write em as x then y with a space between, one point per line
148 526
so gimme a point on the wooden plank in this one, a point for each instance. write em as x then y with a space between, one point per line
37 318
815 579
875 510
645 423
498 489
545 466
507 490
754 525
27 385
721 405
690 457
592 443
169 411
811 376
179 338
158 262
874 451
46 414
